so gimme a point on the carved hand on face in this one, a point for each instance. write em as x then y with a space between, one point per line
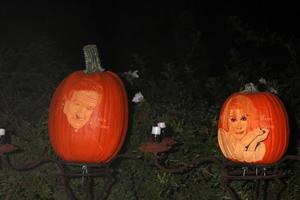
80 107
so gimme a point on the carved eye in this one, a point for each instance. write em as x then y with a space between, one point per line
232 119
76 103
243 118
90 108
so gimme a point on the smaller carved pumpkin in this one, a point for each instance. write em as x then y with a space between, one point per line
253 128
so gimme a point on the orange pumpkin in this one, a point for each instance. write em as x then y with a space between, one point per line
88 116
253 128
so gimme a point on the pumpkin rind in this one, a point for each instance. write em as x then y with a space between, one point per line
98 138
264 112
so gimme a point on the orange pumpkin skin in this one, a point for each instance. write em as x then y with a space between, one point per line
103 134
267 112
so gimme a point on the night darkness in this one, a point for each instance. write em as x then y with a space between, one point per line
151 28
178 60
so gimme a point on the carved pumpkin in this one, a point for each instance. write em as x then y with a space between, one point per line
253 128
88 114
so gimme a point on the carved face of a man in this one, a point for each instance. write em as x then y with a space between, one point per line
237 123
80 107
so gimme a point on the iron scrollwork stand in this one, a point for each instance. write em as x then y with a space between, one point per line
265 177
230 172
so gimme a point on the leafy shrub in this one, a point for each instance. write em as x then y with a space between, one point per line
174 92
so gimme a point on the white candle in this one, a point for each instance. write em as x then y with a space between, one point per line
161 124
2 131
156 130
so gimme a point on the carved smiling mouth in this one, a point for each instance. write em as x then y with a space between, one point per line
240 131
77 118
76 122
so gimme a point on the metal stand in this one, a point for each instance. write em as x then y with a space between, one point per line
68 171
5 148
88 172
268 180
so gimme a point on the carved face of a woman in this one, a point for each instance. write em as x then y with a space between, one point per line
238 121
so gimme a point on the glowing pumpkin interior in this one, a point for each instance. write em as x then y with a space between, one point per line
253 128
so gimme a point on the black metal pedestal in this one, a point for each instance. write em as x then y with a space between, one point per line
268 180
87 172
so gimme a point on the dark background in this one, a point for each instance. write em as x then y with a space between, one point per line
155 29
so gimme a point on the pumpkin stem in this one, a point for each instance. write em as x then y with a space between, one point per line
92 60
250 87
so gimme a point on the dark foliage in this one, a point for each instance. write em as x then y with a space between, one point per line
176 93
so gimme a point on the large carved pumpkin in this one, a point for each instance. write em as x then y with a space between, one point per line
253 128
88 114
